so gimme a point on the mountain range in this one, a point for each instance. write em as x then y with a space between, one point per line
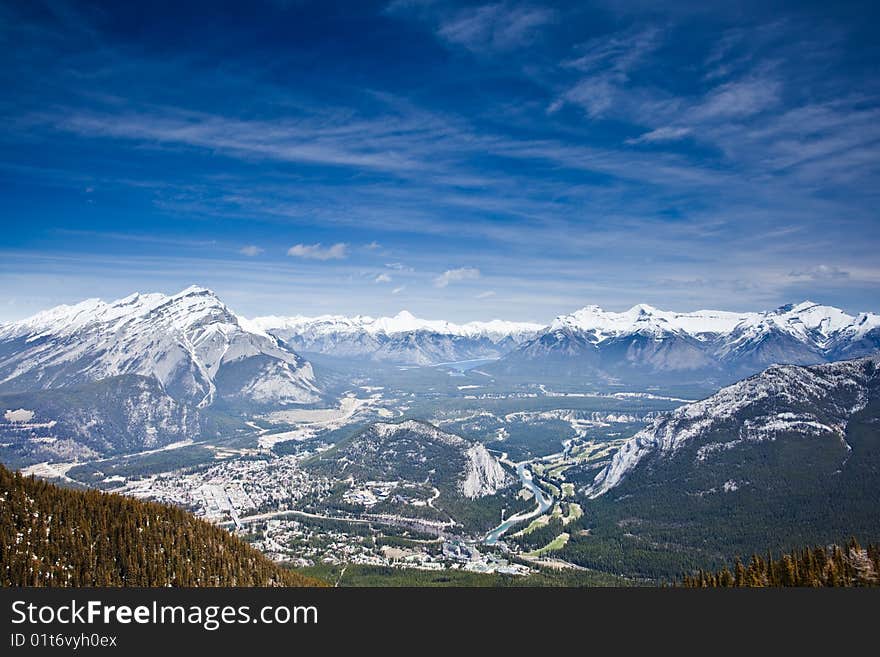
791 451
402 339
200 350
645 343
140 372
635 346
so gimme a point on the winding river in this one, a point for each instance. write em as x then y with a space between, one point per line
544 500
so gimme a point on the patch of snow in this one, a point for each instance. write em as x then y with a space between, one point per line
19 415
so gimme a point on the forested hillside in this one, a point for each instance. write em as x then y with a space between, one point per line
851 565
52 536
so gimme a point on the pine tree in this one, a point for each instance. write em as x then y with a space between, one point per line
850 565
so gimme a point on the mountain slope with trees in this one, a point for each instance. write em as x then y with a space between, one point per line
53 536
787 458
834 566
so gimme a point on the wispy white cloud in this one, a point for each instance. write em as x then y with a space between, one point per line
337 251
594 94
489 28
739 99
485 295
455 275
618 53
606 63
382 278
666 133
399 266
605 88
373 246
250 250
398 290
333 138
496 27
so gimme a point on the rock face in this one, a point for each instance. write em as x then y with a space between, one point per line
191 343
484 474
647 343
782 401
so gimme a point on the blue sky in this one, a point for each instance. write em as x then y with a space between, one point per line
460 160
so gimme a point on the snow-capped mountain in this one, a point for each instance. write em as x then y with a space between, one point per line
602 325
807 403
646 341
800 334
404 338
198 349
190 342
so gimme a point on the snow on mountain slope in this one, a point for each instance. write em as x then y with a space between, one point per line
645 319
806 321
185 340
593 342
403 338
190 342
816 400
403 322
791 334
860 338
645 340
642 339
865 323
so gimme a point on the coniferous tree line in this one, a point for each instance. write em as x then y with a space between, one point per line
851 565
53 536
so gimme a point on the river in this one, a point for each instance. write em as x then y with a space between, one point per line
544 500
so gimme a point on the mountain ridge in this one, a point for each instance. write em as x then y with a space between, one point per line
203 335
647 342
816 400
709 338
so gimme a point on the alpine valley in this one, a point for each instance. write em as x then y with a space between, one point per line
598 448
